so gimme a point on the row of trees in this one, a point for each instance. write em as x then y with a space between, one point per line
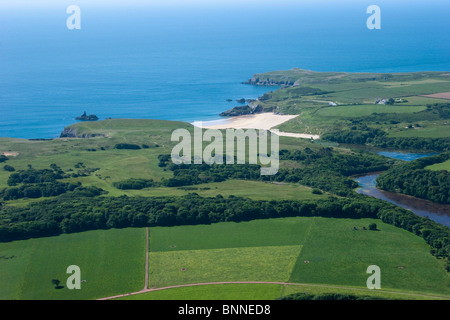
412 143
413 179
127 146
74 212
134 184
329 296
361 134
38 190
365 138
132 146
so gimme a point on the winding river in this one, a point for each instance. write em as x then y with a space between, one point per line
437 212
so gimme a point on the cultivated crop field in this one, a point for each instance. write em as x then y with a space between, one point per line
222 265
321 254
332 251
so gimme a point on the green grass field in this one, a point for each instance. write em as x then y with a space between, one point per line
332 252
324 253
242 291
257 190
440 166
355 96
339 255
256 233
111 262
433 130
365 110
260 291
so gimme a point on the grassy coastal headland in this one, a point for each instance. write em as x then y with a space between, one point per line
88 197
388 110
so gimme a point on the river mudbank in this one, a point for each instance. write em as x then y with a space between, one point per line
424 208
436 212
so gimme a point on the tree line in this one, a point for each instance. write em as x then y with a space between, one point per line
378 138
134 184
329 296
76 212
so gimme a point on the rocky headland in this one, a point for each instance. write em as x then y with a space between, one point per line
85 117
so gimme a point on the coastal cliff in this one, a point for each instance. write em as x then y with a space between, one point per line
73 132
258 81
251 108
301 77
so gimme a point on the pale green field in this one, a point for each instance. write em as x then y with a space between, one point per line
397 84
437 130
421 101
258 190
365 110
242 291
440 166
217 265
254 291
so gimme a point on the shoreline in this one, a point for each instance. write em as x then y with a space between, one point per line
264 121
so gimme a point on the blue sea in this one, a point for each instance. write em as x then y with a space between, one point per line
182 60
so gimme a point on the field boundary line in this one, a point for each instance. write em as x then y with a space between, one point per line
147 248
308 232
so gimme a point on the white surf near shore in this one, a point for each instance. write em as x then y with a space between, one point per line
265 121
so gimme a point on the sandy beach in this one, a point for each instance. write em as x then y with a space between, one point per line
265 121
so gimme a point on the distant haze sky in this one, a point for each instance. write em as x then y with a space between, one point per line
165 3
